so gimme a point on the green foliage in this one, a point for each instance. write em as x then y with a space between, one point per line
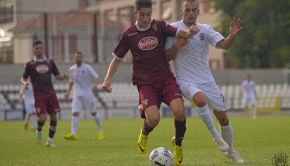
256 141
265 39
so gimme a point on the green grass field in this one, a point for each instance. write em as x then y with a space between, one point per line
256 141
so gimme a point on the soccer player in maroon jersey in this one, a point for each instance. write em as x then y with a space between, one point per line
151 73
40 69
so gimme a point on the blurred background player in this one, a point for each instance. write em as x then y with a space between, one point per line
81 75
26 96
151 73
39 70
248 92
193 75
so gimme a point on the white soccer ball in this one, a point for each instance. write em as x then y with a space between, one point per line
161 157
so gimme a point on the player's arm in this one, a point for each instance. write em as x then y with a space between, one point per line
95 85
24 82
188 33
171 53
235 28
20 98
111 70
62 77
70 85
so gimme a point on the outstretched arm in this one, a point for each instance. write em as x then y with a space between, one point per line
111 71
235 28
70 85
171 53
62 77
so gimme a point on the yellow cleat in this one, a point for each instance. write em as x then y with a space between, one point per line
142 143
178 154
101 135
70 137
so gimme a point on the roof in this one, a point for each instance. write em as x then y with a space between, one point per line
72 18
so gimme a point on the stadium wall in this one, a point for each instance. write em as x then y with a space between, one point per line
10 74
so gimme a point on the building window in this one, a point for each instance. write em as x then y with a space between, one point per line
6 13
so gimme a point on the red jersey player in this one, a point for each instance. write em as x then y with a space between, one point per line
151 72
40 69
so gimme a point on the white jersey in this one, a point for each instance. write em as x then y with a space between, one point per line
27 94
82 77
248 88
192 61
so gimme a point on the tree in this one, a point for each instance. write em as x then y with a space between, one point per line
265 40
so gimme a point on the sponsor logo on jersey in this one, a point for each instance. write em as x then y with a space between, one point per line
42 68
201 36
148 43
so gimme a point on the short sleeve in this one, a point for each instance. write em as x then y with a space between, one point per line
122 48
92 72
26 71
168 29
54 68
214 37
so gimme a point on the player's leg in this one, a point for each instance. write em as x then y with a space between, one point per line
90 105
227 134
33 117
247 109
26 119
52 129
172 97
76 107
254 111
52 109
149 110
40 108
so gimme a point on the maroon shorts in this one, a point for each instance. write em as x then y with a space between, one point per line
46 103
164 91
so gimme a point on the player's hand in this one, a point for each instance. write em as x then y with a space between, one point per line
65 76
26 85
66 96
193 30
235 26
20 101
94 87
107 86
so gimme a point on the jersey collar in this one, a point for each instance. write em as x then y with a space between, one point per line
143 29
39 60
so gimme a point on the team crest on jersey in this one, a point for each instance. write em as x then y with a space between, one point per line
201 36
42 68
148 43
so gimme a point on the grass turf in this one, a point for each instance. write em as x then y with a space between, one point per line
256 141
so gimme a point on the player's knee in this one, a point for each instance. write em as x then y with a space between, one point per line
224 121
153 121
93 113
180 114
200 101
76 114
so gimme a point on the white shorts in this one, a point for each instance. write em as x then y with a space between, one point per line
210 91
29 107
249 101
79 102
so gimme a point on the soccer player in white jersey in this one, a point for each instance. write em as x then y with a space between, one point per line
193 75
248 92
26 95
80 76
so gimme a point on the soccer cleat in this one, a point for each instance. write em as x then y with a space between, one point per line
101 135
50 144
38 137
221 144
235 157
25 126
142 143
70 137
178 154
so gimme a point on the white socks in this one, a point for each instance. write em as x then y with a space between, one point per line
98 122
75 124
207 120
227 135
26 119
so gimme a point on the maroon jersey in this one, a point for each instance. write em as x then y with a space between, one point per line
147 47
40 74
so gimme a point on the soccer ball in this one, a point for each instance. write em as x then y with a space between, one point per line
161 157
